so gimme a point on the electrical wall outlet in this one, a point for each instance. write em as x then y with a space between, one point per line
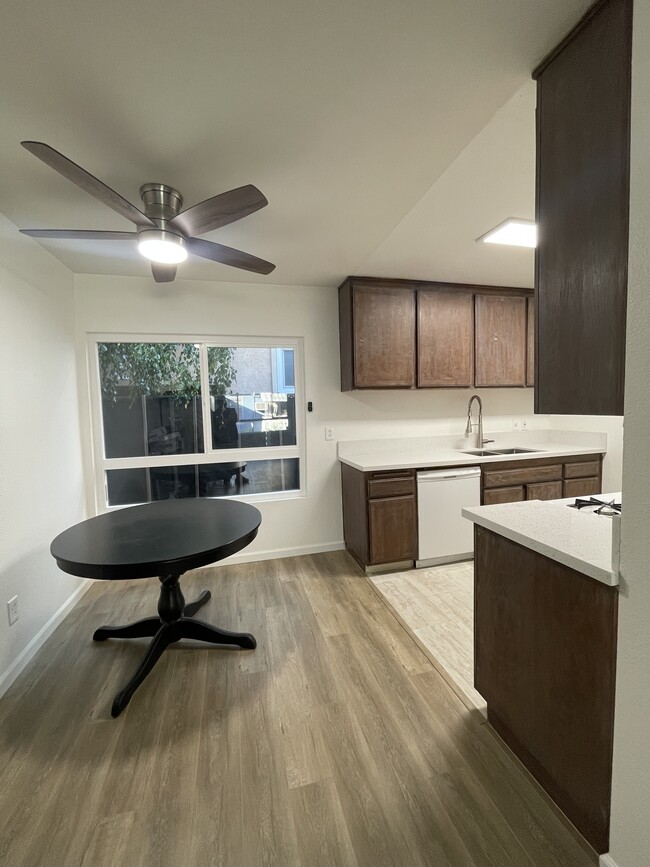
516 424
524 424
329 434
12 610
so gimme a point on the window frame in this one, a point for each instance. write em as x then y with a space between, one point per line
100 463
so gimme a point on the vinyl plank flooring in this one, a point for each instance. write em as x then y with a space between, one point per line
436 606
109 840
217 833
335 742
322 833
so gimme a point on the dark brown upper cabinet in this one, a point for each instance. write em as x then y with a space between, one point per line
445 339
407 334
377 330
501 341
583 144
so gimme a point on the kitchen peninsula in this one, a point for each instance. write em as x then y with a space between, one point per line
545 621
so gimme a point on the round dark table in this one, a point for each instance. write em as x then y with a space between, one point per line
163 540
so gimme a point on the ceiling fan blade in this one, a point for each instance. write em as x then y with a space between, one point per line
229 256
163 273
219 210
87 182
79 234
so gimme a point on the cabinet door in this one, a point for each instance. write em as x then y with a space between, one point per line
445 339
583 119
392 529
384 337
503 495
530 347
500 340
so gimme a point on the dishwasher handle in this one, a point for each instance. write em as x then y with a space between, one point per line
455 473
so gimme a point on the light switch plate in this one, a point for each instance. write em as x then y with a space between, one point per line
12 610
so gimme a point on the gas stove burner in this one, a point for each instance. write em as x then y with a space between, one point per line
597 507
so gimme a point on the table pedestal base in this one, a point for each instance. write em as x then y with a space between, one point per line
174 622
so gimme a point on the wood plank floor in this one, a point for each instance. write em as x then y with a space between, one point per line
436 605
335 742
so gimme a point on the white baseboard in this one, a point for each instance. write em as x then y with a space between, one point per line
277 553
20 662
607 861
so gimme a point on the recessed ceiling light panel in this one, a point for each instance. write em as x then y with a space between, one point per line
516 233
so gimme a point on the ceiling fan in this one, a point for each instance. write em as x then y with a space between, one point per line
165 234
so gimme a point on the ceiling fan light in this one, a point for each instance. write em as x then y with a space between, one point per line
160 246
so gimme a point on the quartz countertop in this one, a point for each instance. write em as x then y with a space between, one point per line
582 541
430 452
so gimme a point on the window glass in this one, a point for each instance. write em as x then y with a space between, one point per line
287 368
151 399
250 403
225 479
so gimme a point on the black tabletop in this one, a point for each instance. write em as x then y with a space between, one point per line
164 538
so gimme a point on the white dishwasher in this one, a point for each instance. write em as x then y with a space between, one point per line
443 534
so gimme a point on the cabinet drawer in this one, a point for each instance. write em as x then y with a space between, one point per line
391 487
582 487
522 476
581 469
544 491
503 495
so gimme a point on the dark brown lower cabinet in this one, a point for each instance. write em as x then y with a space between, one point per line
545 662
536 479
392 527
379 515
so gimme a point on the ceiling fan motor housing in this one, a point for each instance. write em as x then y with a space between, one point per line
161 203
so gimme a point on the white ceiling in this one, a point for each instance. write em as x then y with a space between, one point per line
360 120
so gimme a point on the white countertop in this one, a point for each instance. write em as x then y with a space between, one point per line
583 541
422 452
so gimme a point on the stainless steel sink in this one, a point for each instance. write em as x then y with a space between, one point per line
493 453
479 453
513 451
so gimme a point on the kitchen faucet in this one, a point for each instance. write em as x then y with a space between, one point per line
480 442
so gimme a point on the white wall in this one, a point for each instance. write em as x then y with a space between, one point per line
612 425
127 304
41 491
630 831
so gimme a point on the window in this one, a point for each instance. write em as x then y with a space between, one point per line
188 418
